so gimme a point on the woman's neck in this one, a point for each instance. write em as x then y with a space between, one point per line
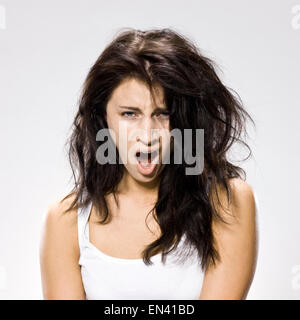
140 192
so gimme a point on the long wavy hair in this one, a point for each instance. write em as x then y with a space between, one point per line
195 98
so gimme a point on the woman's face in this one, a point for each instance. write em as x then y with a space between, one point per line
139 125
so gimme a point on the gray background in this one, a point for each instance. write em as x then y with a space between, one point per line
46 50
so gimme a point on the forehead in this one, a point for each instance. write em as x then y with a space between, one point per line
133 92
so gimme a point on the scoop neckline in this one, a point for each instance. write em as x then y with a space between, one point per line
104 255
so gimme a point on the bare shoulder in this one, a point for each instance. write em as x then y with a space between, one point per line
236 244
57 213
60 225
59 253
242 190
241 205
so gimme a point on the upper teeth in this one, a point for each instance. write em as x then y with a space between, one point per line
145 154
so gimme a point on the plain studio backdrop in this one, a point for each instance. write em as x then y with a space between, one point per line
46 50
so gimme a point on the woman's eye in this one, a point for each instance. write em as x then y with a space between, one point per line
132 114
127 114
164 114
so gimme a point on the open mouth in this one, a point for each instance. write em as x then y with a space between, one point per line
146 156
147 161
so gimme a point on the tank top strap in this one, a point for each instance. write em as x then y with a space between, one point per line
82 219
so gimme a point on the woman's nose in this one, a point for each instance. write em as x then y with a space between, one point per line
148 133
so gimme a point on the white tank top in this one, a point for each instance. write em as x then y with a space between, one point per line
107 277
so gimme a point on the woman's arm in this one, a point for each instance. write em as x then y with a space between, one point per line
59 254
236 243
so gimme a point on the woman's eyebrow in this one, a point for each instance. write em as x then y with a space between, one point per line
130 108
138 109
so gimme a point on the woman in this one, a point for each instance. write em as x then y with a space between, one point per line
146 229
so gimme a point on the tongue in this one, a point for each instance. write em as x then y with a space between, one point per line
145 163
146 167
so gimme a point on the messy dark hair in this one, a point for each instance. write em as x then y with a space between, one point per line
195 98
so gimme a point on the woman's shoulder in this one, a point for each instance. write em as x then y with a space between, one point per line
59 252
243 193
241 186
60 210
60 224
241 202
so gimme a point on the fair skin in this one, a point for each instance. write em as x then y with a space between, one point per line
127 234
237 245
